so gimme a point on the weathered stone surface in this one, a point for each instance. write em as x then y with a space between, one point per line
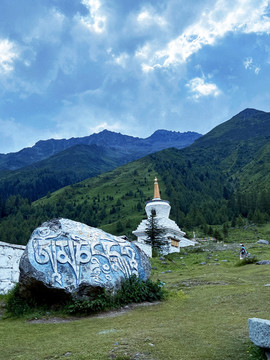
72 259
264 242
259 332
263 262
10 255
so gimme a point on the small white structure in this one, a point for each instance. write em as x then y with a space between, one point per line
173 238
10 255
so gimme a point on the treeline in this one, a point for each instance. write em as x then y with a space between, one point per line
19 217
201 194
36 183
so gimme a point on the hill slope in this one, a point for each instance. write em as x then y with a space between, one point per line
67 167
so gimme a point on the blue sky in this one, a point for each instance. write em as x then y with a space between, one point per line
75 67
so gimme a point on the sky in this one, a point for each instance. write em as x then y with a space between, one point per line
71 68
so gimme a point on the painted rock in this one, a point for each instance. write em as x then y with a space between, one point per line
65 258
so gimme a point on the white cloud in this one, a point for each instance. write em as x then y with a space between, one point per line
8 53
148 17
249 65
46 28
105 126
200 88
227 16
95 21
248 62
121 59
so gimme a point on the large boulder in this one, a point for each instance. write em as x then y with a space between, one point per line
66 259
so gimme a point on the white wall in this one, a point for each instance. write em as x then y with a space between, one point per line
10 255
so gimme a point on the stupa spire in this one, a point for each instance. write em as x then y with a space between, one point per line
156 189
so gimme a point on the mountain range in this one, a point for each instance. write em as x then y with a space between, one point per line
52 164
129 147
221 176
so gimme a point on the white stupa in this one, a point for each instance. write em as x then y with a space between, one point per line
173 236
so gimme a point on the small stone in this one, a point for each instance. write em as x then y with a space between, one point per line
162 258
151 344
154 268
224 260
168 271
203 263
263 262
263 242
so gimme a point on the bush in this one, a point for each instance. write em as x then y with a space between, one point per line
252 259
18 306
133 290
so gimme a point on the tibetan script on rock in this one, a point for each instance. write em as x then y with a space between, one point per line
70 253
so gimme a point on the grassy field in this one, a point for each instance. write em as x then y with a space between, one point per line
205 316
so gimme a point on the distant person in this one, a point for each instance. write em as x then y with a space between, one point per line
243 252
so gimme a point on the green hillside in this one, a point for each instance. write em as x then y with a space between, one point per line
67 167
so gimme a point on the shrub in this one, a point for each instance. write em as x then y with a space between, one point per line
247 260
16 305
133 290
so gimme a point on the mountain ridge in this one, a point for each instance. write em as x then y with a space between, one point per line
134 147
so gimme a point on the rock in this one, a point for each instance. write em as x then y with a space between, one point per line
263 262
259 332
203 263
162 258
264 242
66 259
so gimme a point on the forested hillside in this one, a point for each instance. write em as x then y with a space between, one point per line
219 180
52 164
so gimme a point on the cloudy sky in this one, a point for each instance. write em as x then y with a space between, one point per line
75 67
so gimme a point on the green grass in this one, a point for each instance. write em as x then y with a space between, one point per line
205 316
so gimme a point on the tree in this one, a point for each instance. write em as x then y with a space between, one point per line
155 232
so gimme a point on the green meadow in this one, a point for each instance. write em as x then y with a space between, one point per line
205 315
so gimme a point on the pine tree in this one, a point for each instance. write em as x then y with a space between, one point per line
155 232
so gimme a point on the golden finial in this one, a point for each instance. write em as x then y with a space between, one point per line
156 189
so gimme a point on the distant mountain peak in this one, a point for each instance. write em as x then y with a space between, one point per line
132 147
249 112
